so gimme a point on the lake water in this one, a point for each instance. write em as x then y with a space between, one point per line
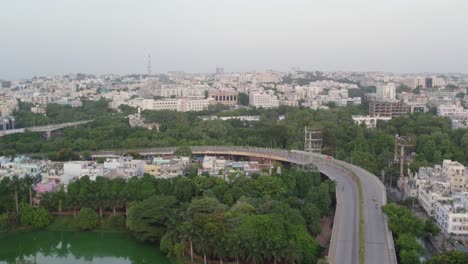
49 247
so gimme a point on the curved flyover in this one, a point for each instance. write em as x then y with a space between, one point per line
344 244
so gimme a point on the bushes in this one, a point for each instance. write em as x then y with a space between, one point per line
87 219
407 227
35 217
3 222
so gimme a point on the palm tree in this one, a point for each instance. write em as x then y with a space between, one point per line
29 181
15 185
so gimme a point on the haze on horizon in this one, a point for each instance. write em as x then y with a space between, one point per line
114 36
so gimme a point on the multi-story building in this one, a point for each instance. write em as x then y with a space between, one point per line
428 83
225 97
418 82
125 167
263 99
369 121
457 114
431 192
78 169
454 171
452 215
388 109
180 105
386 92
451 111
168 168
438 82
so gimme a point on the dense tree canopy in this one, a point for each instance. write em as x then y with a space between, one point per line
252 219
373 149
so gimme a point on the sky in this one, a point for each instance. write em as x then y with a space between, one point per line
50 37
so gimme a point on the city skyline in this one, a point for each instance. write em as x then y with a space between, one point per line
53 38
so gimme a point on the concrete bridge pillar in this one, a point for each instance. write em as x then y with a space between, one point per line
47 135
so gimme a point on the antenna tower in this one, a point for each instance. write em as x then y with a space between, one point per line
149 64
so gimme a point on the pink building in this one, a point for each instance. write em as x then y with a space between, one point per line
45 187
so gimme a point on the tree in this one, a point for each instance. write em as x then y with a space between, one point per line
243 99
183 152
87 219
148 219
408 242
450 257
184 189
35 217
409 257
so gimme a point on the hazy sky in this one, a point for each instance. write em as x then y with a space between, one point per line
115 36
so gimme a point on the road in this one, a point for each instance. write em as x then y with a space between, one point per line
47 128
346 223
344 244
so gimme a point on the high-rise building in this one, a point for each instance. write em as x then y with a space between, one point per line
219 70
438 82
386 92
428 83
418 82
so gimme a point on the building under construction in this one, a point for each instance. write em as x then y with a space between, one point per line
313 140
388 109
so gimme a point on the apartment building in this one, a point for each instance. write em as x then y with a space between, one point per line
429 193
79 169
454 171
386 92
264 99
452 215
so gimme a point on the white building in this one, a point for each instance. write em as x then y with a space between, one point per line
180 105
454 171
430 193
79 169
125 167
264 99
451 110
452 216
369 121
457 114
386 92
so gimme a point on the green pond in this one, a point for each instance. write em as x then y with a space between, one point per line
50 247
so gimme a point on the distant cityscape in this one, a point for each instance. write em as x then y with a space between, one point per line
388 95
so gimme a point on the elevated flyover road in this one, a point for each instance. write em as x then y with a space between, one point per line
47 128
360 196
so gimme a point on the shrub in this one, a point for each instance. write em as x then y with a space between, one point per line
87 219
3 222
35 217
